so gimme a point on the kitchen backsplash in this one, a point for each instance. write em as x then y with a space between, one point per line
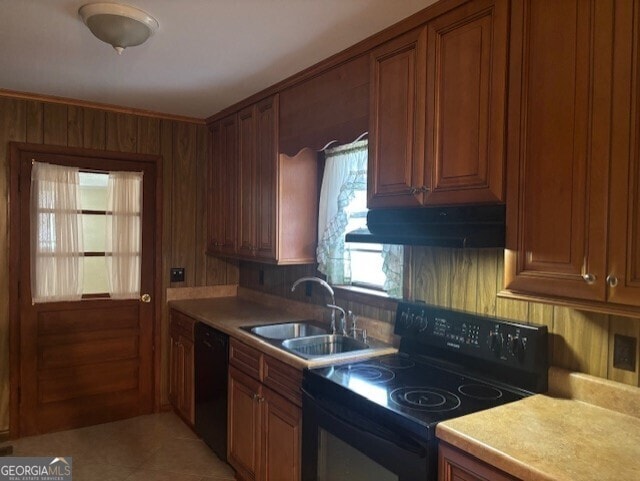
469 279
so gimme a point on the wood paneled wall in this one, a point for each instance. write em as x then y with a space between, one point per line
470 280
183 146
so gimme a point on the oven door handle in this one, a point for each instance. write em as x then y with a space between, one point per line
356 422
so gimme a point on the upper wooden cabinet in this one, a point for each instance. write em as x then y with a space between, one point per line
396 121
223 175
263 206
437 100
573 161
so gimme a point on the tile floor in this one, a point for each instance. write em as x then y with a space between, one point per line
157 447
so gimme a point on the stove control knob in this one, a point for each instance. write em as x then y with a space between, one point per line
518 347
495 343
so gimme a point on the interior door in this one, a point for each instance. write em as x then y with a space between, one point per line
89 361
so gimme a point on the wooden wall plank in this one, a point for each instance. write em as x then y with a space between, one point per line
464 279
35 122
55 124
121 132
431 275
488 260
75 126
95 128
201 184
581 340
184 202
627 327
148 135
13 127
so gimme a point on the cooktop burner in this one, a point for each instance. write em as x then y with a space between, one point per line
367 372
480 391
425 399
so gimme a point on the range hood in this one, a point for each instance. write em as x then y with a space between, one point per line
460 226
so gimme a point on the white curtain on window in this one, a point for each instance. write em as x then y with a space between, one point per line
345 173
124 234
56 234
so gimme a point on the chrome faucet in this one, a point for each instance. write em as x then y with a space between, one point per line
343 318
324 284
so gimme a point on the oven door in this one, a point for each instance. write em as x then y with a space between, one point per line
340 444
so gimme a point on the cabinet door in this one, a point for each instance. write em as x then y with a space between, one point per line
173 370
558 147
187 407
396 122
266 213
244 424
455 465
466 96
246 181
281 438
624 215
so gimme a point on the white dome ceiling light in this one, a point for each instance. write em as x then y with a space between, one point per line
120 26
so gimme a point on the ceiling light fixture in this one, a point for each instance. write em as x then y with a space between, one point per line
121 26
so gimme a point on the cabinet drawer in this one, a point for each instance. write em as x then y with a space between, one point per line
283 379
246 359
182 324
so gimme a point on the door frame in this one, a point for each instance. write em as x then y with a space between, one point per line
15 219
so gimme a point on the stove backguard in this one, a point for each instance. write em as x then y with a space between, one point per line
508 352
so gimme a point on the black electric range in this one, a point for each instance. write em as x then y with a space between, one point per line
449 364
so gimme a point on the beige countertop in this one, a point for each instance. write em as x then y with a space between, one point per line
569 438
229 314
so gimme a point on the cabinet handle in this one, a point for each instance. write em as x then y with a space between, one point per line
418 190
612 280
260 399
589 278
256 397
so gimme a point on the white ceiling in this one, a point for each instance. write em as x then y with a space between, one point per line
206 55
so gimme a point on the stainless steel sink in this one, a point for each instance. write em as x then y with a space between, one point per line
323 345
288 330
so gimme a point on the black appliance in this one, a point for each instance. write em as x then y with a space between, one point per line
376 419
211 359
457 226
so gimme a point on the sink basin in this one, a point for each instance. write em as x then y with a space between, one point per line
323 345
288 330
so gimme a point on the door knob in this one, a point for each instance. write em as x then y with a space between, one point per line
146 298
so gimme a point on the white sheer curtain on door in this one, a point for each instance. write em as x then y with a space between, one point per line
56 234
124 234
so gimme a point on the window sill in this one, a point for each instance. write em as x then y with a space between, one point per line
366 296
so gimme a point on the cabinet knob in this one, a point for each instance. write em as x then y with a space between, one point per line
146 298
589 278
612 280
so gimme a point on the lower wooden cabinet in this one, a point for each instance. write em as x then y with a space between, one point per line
264 426
181 365
456 465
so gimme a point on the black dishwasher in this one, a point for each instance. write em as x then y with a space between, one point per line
211 359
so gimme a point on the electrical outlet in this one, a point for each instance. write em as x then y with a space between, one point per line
624 352
177 274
